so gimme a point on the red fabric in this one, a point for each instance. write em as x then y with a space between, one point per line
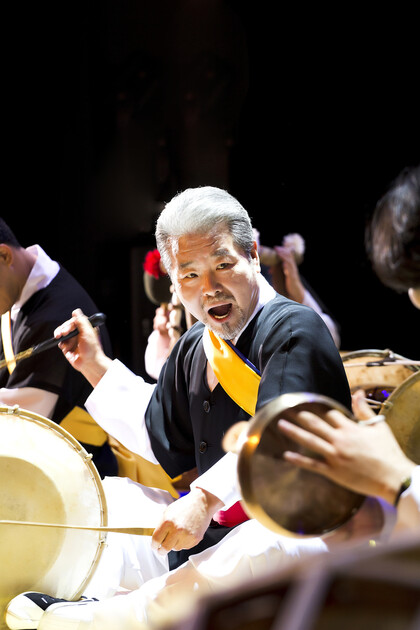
232 516
152 264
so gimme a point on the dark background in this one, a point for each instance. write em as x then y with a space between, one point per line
305 115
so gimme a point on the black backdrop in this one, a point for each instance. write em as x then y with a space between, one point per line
305 115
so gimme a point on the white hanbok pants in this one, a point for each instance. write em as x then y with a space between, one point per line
133 583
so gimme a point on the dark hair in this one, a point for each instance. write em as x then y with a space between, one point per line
393 234
6 235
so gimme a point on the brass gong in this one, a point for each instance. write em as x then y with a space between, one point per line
281 496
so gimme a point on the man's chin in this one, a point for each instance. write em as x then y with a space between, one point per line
224 331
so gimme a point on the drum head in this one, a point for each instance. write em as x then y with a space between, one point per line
378 381
46 476
402 412
283 497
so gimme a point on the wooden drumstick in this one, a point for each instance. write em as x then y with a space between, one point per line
136 531
96 320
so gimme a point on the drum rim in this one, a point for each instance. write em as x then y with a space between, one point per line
357 354
388 405
38 419
399 390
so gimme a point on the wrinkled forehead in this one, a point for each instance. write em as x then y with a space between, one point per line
209 240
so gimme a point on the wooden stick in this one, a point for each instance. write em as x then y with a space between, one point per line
380 363
136 531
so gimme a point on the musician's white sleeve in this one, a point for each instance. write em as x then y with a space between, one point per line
221 480
30 398
112 402
408 512
156 353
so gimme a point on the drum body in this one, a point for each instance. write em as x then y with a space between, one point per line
402 413
287 499
367 370
46 476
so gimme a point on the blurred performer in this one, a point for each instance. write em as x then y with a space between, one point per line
367 458
36 295
282 262
170 319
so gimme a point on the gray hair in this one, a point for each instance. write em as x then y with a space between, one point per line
197 211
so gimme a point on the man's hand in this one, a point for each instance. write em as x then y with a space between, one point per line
84 351
363 458
292 281
161 320
185 521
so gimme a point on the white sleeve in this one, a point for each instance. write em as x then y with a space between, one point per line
118 404
408 512
156 353
221 480
30 398
308 300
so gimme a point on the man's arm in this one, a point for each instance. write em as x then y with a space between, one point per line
31 398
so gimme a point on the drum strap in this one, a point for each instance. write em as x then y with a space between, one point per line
6 337
141 470
83 427
240 379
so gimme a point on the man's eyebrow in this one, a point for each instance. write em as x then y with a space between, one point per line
218 253
185 264
221 252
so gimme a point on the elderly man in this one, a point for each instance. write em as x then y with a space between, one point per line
249 346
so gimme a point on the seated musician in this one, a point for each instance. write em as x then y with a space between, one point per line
249 346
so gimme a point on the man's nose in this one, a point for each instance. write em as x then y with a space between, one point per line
210 284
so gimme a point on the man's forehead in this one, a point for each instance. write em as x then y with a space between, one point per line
214 243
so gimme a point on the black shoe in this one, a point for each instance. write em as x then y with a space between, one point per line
24 611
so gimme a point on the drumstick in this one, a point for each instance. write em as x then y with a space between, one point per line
382 363
96 320
136 531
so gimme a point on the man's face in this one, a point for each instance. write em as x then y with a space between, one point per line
216 281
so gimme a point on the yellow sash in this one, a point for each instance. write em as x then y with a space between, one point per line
140 470
235 374
6 337
83 427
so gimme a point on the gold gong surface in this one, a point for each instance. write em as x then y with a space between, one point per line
283 497
402 413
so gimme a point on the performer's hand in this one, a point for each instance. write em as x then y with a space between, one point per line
161 321
293 283
360 407
363 458
84 351
185 521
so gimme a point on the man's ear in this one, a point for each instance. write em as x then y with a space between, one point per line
255 256
6 254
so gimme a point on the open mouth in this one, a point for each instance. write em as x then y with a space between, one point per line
220 312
